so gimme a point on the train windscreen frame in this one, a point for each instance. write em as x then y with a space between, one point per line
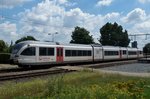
17 47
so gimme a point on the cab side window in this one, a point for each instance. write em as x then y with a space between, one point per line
29 51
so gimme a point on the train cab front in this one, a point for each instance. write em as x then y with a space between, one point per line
14 59
14 54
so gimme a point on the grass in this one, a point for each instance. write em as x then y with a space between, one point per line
79 85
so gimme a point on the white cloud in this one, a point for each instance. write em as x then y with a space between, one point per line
45 15
11 3
65 2
143 26
74 17
49 17
7 27
62 1
136 15
8 31
137 22
104 2
144 1
112 15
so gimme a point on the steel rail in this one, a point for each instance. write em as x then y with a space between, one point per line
12 76
33 73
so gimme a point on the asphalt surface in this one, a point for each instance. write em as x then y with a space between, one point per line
133 68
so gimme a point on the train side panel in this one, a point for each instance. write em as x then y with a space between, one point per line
41 53
123 53
132 53
27 55
111 53
78 54
46 55
140 53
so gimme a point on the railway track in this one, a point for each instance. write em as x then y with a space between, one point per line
26 74
109 64
17 73
90 65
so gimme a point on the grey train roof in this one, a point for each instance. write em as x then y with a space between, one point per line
56 43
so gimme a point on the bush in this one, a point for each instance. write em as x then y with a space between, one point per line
4 57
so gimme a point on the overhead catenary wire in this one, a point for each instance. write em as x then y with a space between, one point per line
142 34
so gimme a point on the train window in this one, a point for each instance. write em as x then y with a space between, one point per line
42 51
115 53
110 53
68 52
29 51
74 53
50 51
106 53
46 51
58 52
124 52
61 52
80 53
132 53
84 53
16 48
89 53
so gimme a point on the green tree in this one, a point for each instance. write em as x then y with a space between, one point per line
113 34
3 47
146 48
25 39
81 36
10 47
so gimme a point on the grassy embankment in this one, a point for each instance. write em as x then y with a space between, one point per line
80 85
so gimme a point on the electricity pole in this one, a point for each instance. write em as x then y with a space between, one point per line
52 35
133 36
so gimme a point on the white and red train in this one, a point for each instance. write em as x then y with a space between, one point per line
32 53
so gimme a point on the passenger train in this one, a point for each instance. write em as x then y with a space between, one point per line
33 53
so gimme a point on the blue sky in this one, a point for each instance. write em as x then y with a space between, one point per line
37 18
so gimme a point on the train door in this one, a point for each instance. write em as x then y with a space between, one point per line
121 54
59 55
138 53
98 55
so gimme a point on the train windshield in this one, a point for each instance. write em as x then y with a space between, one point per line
16 48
